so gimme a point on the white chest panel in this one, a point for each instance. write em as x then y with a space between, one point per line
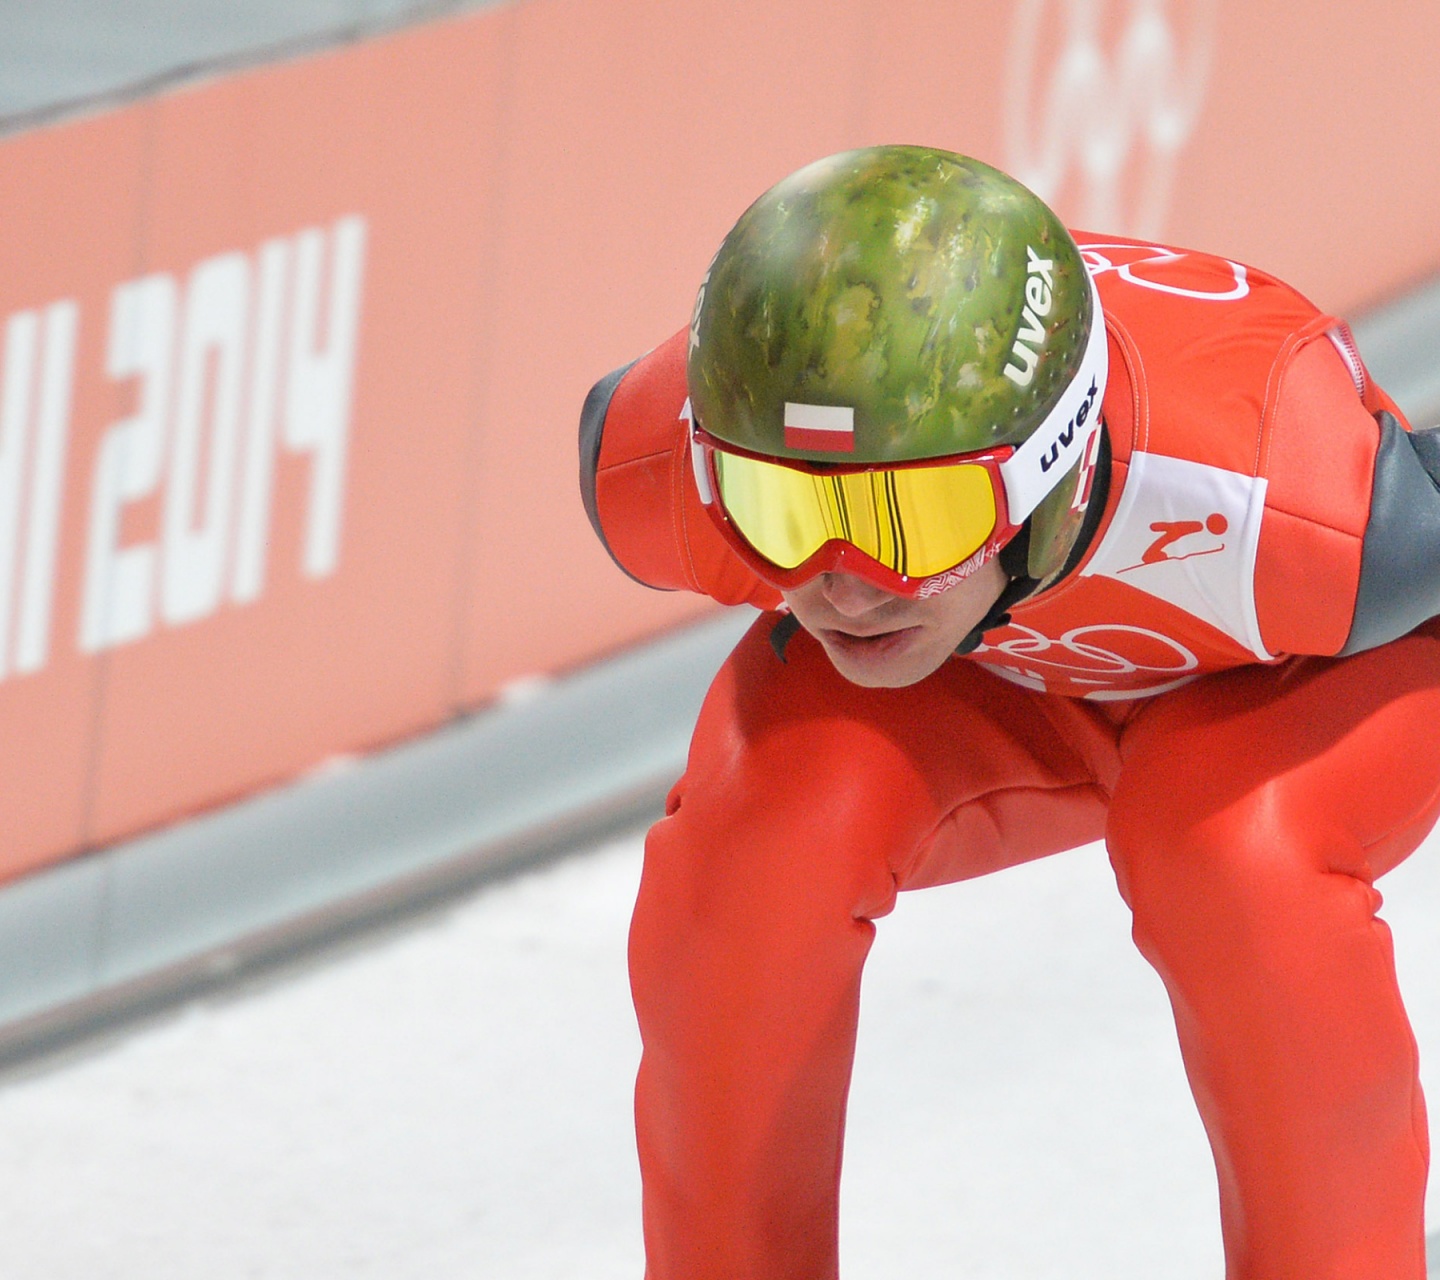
1188 533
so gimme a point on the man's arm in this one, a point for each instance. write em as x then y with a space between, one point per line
1349 554
639 489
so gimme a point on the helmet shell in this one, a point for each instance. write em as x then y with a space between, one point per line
896 281
936 297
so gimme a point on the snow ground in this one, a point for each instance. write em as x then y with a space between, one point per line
451 1099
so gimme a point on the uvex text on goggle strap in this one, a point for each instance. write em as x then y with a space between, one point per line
913 528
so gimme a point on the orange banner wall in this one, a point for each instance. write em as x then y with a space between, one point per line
292 358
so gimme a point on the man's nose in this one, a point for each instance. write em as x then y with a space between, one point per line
852 596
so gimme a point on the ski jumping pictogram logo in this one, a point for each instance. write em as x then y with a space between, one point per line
1182 540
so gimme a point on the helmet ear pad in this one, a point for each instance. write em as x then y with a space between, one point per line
1054 526
1061 528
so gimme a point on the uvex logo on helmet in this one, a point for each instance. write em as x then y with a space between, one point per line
1039 298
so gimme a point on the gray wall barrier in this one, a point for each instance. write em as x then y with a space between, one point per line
553 763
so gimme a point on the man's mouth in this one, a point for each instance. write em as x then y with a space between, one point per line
872 644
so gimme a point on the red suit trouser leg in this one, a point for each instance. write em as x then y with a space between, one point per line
1253 813
1250 813
806 803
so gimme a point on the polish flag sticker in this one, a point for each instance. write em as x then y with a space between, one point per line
826 427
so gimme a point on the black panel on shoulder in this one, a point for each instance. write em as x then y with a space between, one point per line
592 428
1400 558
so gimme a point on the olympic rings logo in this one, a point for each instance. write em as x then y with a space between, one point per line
1096 664
1149 264
1122 119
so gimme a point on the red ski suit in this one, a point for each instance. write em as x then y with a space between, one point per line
1176 694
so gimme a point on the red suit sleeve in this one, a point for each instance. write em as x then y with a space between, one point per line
639 487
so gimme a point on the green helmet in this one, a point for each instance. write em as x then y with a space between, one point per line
937 300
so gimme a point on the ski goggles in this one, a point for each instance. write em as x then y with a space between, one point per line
913 529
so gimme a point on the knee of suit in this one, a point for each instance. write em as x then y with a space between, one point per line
1255 877
1169 838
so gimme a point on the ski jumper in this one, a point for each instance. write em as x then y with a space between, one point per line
1235 687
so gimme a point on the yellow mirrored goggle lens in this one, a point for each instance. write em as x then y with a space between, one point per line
914 520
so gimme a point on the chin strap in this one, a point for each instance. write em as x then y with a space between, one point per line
999 614
1015 560
783 632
